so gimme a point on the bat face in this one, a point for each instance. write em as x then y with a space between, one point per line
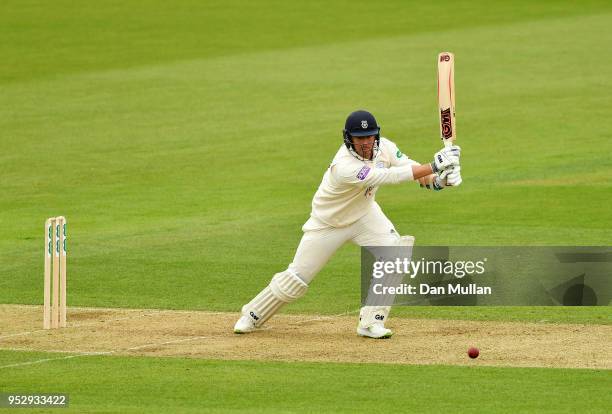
446 97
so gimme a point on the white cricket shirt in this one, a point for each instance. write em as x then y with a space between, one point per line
349 185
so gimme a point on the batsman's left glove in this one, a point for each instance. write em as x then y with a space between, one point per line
446 158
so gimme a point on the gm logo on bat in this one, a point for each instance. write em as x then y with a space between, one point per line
444 58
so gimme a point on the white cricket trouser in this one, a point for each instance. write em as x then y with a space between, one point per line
317 246
321 241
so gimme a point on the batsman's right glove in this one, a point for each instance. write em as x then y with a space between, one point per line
453 179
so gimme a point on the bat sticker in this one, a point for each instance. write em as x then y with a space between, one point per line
446 122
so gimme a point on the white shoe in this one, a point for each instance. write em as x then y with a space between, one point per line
244 325
377 331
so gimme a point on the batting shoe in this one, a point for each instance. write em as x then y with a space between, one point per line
244 325
376 331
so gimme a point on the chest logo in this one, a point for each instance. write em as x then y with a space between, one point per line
363 173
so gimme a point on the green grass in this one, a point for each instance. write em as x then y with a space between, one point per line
186 163
44 42
184 143
183 385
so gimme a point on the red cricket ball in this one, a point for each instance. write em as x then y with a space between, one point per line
473 352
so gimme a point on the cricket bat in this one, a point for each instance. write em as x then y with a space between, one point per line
446 97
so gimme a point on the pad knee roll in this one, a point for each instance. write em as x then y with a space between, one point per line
285 287
288 286
406 241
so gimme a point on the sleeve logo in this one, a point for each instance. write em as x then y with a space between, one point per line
363 173
398 154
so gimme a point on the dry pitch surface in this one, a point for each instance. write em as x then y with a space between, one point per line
306 338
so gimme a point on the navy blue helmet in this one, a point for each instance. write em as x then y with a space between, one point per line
360 124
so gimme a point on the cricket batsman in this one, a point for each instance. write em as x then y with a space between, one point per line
344 209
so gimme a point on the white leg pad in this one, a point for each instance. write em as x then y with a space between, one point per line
369 315
285 287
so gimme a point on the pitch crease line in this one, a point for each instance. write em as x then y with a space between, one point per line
133 348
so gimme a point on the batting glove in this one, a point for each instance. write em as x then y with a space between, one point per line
446 158
453 179
437 184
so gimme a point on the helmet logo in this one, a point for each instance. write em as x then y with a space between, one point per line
364 124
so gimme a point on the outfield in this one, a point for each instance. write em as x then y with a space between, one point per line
184 145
